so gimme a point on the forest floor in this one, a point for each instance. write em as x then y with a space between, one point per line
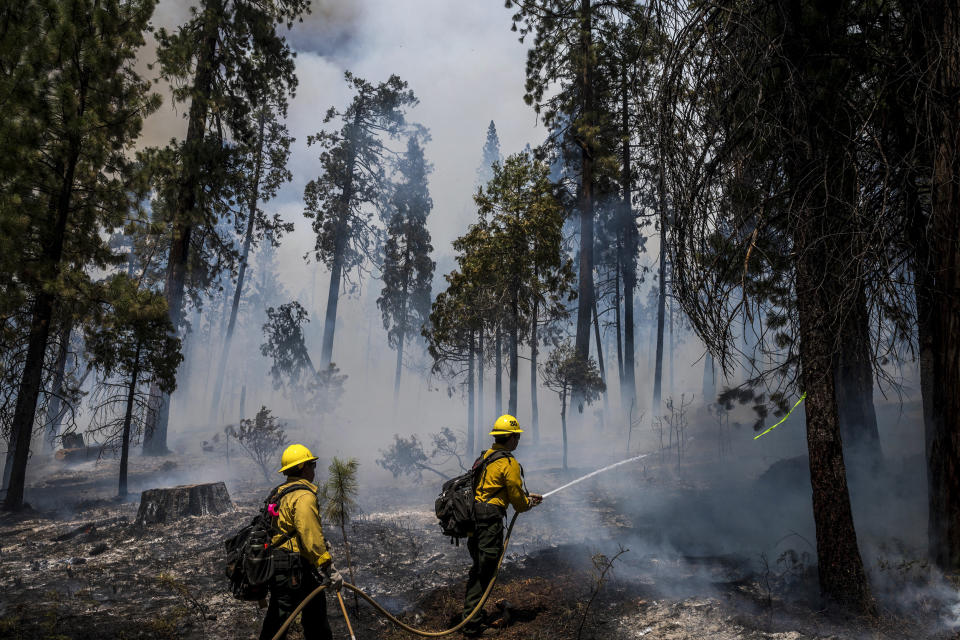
77 567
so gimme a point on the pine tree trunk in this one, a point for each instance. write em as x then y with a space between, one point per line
155 436
514 364
563 424
498 373
842 576
127 419
617 324
402 329
534 351
399 371
709 380
470 399
938 29
661 305
25 411
585 288
854 380
333 299
480 365
235 307
603 372
55 406
626 260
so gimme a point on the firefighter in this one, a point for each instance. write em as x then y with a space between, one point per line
310 562
500 484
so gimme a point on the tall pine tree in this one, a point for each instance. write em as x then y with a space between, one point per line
407 266
340 202
81 114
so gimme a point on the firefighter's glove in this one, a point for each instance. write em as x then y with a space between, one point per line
535 499
331 577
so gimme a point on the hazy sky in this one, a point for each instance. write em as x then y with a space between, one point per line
458 56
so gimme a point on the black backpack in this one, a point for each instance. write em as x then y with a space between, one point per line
252 561
456 507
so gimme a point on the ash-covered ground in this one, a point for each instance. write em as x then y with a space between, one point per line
76 566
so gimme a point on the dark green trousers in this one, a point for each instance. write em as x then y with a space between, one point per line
485 546
288 591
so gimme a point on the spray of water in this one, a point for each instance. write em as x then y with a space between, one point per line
593 473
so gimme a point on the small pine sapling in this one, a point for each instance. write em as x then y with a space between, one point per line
340 493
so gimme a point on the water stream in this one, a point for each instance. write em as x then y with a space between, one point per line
593 473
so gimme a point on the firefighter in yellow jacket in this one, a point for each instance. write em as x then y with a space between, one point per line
310 562
500 484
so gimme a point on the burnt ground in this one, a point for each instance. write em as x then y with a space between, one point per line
78 567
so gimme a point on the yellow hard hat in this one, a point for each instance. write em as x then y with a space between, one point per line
506 425
295 454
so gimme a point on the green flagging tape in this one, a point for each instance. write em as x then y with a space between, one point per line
784 417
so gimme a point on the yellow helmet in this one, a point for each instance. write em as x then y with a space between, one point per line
506 425
295 454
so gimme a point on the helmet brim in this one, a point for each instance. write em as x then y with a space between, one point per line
297 463
497 432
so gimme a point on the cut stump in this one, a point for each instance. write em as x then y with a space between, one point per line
166 505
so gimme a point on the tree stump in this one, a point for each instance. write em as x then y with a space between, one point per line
166 505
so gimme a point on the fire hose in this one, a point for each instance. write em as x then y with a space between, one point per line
486 594
376 605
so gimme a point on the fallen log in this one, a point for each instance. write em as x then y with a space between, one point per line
166 505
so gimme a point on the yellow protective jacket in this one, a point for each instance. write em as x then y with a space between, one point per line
300 519
502 483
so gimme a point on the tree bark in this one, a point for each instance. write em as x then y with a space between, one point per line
514 361
127 419
842 577
563 424
603 372
235 307
480 365
534 351
336 270
470 399
498 373
585 288
939 32
28 392
661 303
854 381
55 406
628 259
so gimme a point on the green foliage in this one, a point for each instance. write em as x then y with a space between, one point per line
407 267
292 369
406 456
285 344
354 161
565 370
261 439
510 263
132 333
491 155
340 490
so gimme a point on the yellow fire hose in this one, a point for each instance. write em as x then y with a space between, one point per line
376 605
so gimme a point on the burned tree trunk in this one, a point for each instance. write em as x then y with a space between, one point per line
854 386
165 505
935 24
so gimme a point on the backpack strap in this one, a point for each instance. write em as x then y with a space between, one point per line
480 466
285 537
